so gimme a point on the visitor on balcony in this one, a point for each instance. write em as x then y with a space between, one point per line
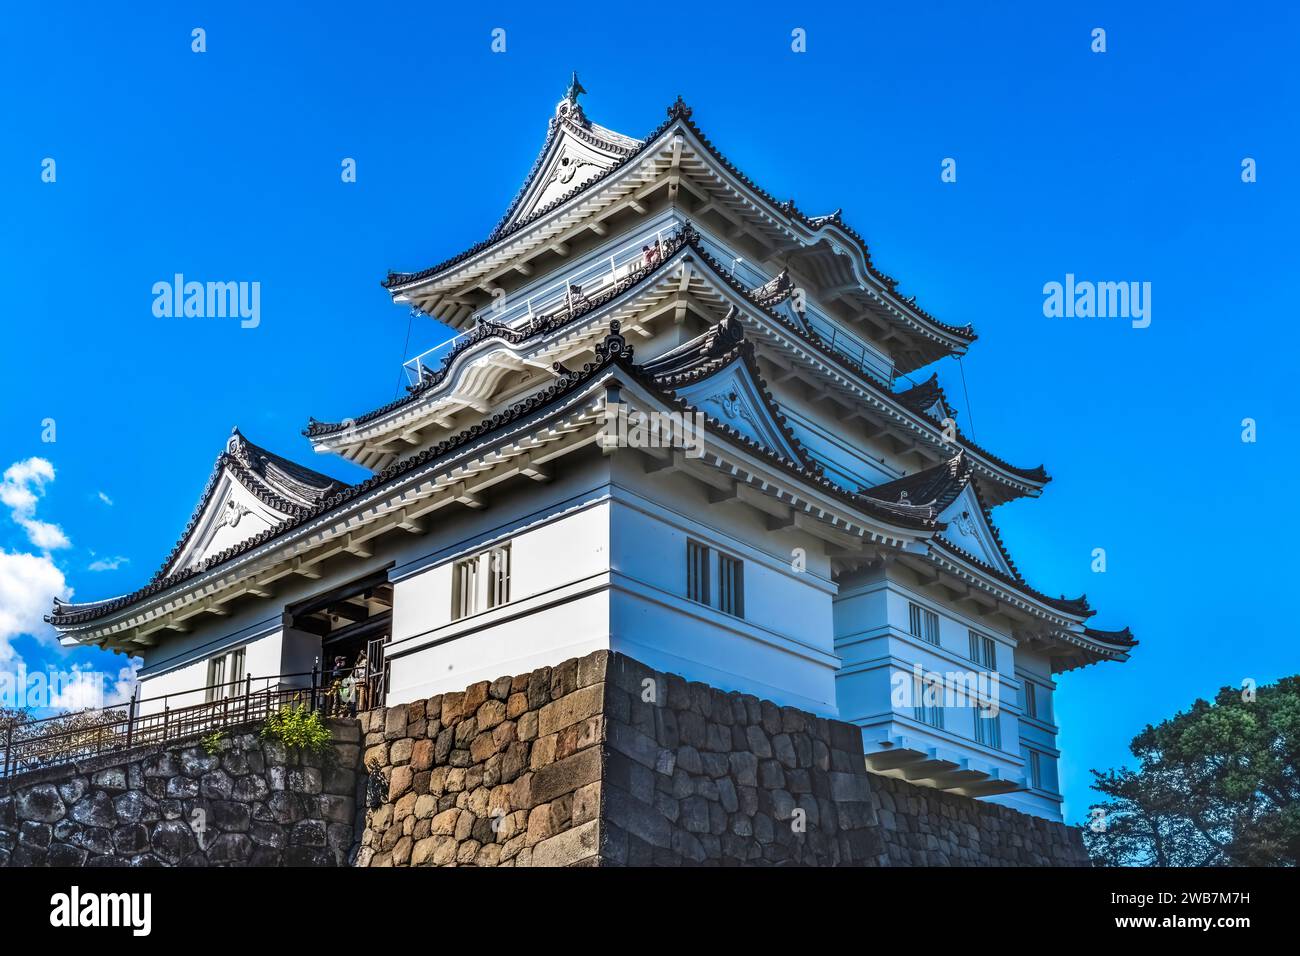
360 675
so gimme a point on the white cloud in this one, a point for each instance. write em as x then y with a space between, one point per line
28 585
106 499
21 487
108 564
84 688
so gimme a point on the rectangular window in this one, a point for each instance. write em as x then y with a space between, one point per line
731 585
697 572
730 593
225 671
924 623
988 729
983 651
929 703
1035 770
481 582
1031 699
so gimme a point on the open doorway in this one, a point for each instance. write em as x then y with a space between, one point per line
353 622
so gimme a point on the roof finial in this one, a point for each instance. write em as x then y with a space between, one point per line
575 89
569 108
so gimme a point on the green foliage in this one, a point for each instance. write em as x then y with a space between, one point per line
300 729
212 743
1217 785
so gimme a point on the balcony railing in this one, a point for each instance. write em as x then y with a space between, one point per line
587 282
850 346
68 738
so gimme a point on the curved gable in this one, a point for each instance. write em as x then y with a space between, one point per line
734 398
230 516
968 530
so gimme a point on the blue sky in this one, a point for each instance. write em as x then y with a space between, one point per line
1117 166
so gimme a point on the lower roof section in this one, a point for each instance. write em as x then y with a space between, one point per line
528 439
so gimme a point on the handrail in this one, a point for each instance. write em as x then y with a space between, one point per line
41 743
588 281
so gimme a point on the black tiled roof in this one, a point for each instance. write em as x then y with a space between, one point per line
938 486
612 352
679 111
712 351
540 325
1122 638
1076 607
1036 475
921 397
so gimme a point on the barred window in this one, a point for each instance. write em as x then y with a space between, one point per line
225 671
988 729
1035 770
481 582
730 592
697 572
924 623
731 585
983 651
929 703
1031 699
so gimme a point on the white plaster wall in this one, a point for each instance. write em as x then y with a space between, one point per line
872 636
782 650
559 608
183 684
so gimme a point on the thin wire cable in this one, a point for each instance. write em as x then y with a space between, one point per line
970 418
401 371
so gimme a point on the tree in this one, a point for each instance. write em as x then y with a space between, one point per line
38 743
1217 785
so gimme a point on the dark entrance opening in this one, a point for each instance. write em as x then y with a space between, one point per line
354 622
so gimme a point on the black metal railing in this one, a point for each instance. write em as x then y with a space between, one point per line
67 738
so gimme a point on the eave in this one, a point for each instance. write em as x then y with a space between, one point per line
523 441
678 153
370 440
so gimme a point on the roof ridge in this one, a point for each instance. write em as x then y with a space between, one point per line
613 349
1037 474
680 112
539 325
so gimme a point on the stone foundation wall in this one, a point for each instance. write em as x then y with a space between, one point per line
603 761
505 773
252 803
921 826
594 762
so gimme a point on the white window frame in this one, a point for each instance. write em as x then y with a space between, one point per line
731 585
988 730
922 623
480 582
704 567
983 650
1035 770
229 663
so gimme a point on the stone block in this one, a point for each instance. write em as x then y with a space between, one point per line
566 775
573 846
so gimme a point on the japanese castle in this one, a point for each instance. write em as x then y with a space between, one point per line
679 419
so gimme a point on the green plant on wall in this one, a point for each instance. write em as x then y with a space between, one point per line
212 743
299 729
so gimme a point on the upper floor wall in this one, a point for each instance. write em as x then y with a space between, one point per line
945 697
